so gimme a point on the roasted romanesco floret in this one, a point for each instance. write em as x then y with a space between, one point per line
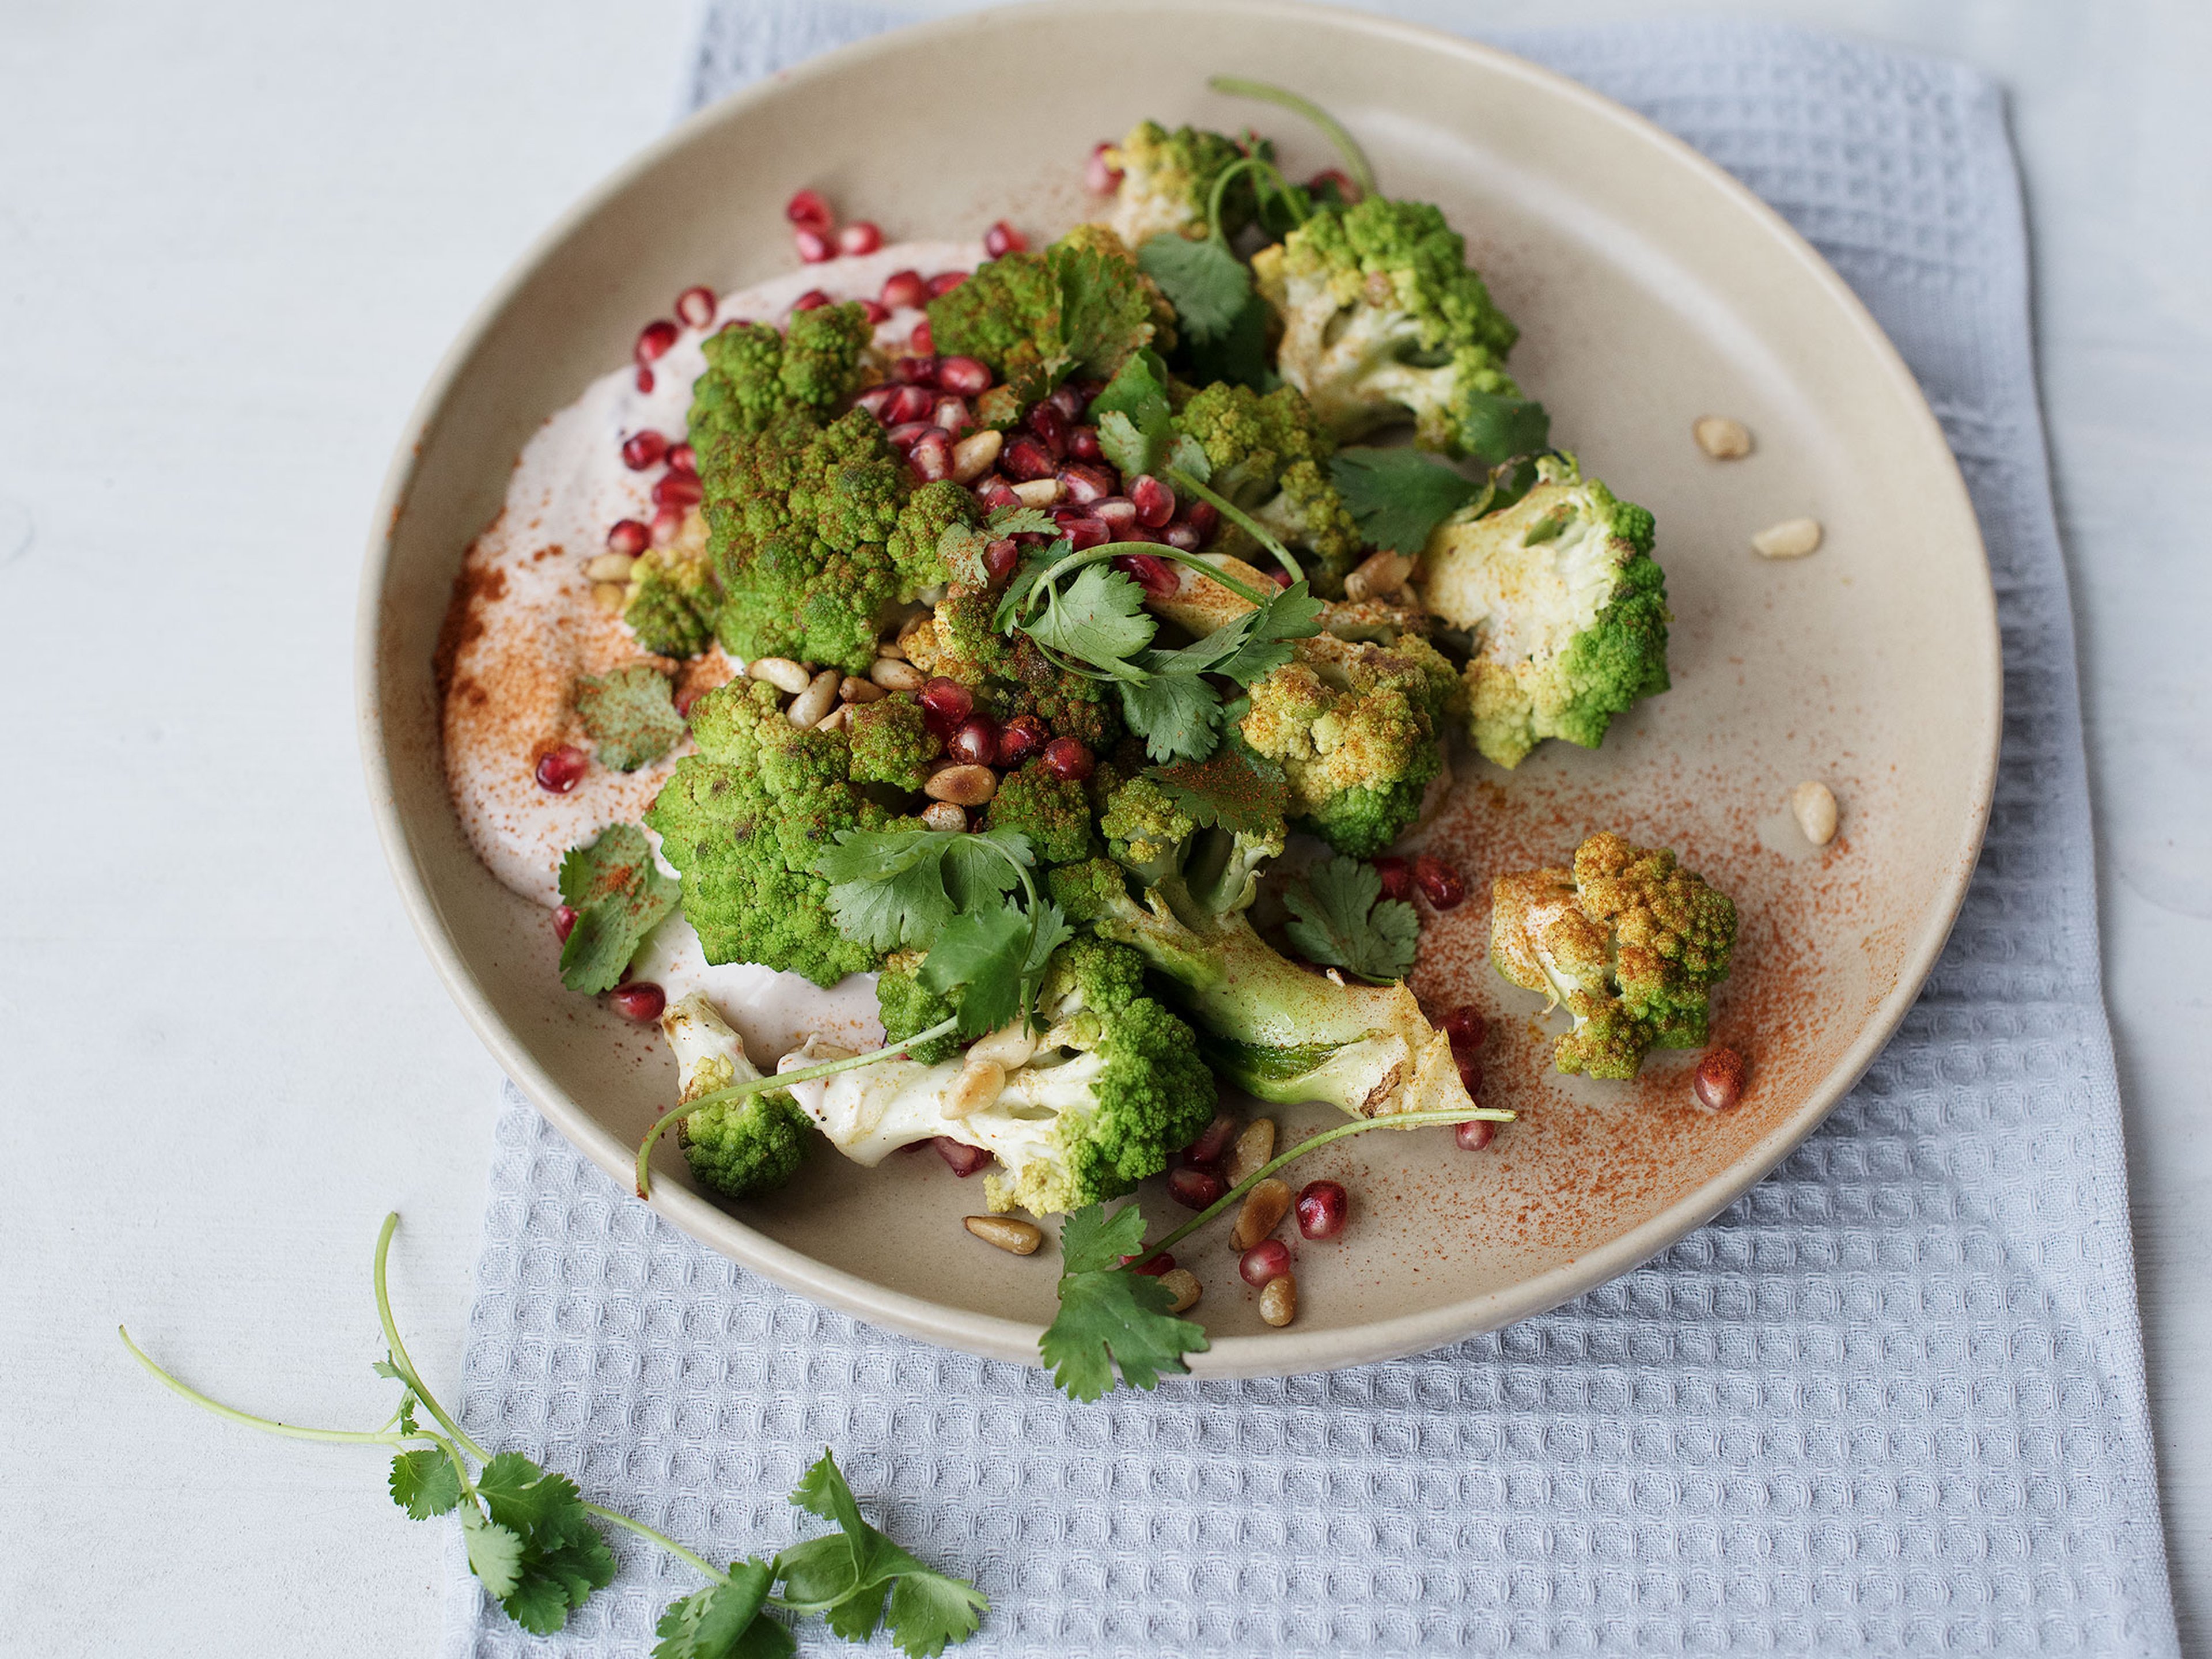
1632 943
674 599
737 1147
1166 179
1565 606
1054 812
906 1005
1270 457
1080 307
959 638
891 742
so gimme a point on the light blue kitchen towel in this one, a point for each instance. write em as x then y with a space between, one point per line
1891 1402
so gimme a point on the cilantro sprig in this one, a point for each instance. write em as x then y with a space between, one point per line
1399 496
533 1539
619 895
1339 918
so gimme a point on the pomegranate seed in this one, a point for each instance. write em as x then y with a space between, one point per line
1155 501
1280 577
1117 510
1347 190
1152 1267
1069 401
1069 759
1003 239
902 436
1101 176
1718 1081
877 399
1470 1072
964 1159
1136 533
1019 739
678 490
667 525
1194 1188
992 491
915 371
1181 536
1266 1262
1323 1206
1397 876
685 696
653 340
813 247
945 281
931 457
807 208
682 458
921 340
1083 443
1154 574
644 380
1438 882
1051 425
629 536
999 558
976 742
813 300
963 375
1465 1027
947 704
1474 1135
564 922
1085 533
643 449
560 770
952 414
904 290
1026 457
908 403
875 312
1214 1139
861 236
1203 517
639 1002
695 305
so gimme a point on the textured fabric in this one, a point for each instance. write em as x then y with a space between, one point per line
1892 1402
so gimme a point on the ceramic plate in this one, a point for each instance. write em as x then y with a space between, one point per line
1650 287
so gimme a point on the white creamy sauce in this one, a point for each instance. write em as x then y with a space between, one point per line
531 628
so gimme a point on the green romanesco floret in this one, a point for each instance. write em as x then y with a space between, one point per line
1630 942
1382 322
1567 608
1080 307
1055 813
745 819
754 374
959 639
674 599
1358 731
1167 178
907 1005
737 1147
1270 457
891 742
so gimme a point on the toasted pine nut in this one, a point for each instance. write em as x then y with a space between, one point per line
1278 1302
1722 439
1183 1284
964 786
1009 1046
891 649
835 719
854 689
609 568
1254 1147
980 1083
608 596
973 455
1815 807
1380 572
943 815
895 675
1040 492
814 701
1015 1237
1793 539
1265 1206
780 672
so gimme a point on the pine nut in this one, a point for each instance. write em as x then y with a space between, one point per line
1815 807
1278 1302
1380 572
980 1083
1265 1206
1015 1237
892 649
609 568
854 689
1009 1046
894 675
1722 439
1793 539
1254 1147
943 815
1040 492
964 786
835 719
972 457
608 596
1183 1284
815 700
782 673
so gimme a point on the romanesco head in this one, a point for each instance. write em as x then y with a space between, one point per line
906 1006
1270 456
1054 812
1147 832
1166 178
755 374
673 598
741 1147
891 743
1079 307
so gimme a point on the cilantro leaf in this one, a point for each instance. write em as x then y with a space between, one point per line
1136 425
711 1623
630 715
1100 617
981 956
1257 644
1339 918
494 1553
424 1483
1236 789
1109 1315
894 887
562 1558
1399 496
1238 354
1020 521
619 895
1208 286
1179 713
930 1610
926 1609
1495 428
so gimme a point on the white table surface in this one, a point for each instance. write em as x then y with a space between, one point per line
233 242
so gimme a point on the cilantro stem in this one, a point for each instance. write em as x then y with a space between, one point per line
400 1362
1314 1144
753 1086
1244 521
344 1436
662 1538
1355 158
1265 175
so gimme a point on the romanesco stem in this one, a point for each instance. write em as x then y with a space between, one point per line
1314 1144
1355 158
1244 521
399 1360
267 1425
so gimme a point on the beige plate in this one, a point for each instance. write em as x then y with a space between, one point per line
1650 287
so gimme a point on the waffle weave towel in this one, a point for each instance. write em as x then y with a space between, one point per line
1891 1402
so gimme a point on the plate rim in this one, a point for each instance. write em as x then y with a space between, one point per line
989 1335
